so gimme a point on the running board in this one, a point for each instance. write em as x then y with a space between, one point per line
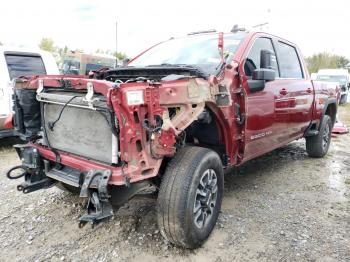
65 175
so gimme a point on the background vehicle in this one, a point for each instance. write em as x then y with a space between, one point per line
340 76
16 62
76 63
170 122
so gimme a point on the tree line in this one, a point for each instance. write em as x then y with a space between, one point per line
326 60
48 44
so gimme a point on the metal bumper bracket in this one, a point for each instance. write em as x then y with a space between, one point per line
95 187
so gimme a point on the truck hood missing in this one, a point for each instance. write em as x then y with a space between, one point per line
132 116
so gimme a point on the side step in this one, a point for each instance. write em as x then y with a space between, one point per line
66 175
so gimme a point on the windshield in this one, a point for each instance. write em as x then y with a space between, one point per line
198 50
335 78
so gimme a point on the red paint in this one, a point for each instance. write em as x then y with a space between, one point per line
9 122
339 129
274 117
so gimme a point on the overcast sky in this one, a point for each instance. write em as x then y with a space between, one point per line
315 26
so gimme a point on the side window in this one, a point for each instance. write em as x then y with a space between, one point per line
288 61
253 59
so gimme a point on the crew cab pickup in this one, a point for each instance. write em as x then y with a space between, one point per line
169 123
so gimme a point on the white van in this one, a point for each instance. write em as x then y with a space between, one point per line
16 62
340 76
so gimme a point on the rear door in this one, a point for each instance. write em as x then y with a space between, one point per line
296 90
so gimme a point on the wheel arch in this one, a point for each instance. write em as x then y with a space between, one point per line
220 134
330 109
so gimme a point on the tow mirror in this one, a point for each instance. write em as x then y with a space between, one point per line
259 78
265 73
267 59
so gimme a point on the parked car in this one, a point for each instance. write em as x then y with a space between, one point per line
339 76
16 62
169 123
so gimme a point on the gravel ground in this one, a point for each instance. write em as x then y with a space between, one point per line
282 206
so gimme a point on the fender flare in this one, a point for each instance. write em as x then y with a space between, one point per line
330 101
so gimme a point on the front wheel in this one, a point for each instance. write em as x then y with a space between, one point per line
317 146
190 196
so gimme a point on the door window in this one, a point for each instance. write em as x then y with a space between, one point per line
253 59
288 61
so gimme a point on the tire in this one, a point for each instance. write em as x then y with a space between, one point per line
186 178
68 188
317 146
343 99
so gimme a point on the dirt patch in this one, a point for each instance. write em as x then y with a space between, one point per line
281 206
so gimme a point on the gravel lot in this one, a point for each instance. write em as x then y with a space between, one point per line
282 206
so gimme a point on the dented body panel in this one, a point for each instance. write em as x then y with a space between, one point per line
153 118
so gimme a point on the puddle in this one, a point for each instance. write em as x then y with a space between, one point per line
338 173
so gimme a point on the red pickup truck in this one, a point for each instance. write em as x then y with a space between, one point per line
168 124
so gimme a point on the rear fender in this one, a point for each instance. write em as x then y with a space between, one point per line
330 108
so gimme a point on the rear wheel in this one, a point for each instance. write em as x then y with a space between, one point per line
317 146
190 196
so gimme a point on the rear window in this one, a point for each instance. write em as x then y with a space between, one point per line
24 65
289 61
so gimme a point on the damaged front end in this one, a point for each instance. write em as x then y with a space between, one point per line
107 137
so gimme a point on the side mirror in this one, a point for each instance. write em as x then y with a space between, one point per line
259 78
264 74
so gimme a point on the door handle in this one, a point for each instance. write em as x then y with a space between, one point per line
283 91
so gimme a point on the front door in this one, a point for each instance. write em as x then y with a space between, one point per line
267 110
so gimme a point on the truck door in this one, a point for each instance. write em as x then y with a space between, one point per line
266 115
297 90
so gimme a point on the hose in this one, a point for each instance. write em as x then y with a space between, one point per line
8 173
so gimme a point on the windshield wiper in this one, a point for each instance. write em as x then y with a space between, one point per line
170 65
194 67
